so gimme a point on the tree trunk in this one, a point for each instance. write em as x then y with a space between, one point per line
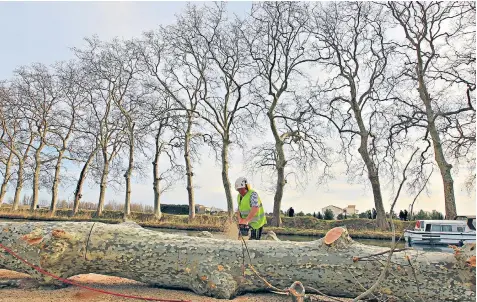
19 187
280 167
103 185
215 267
36 178
225 177
82 178
56 182
373 173
277 199
373 177
189 173
157 179
444 166
6 179
445 169
127 203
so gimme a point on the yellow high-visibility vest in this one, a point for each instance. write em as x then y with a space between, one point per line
259 219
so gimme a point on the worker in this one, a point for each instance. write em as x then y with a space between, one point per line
250 209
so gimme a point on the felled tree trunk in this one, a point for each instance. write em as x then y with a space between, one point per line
215 267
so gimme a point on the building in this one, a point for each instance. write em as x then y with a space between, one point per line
336 210
200 209
349 210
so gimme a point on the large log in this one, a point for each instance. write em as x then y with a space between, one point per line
215 267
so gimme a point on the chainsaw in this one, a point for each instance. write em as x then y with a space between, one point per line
244 230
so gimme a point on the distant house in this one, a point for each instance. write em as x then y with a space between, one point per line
349 210
200 209
214 210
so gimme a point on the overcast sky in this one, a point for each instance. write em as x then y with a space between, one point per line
45 32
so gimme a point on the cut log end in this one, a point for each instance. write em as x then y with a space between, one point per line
334 235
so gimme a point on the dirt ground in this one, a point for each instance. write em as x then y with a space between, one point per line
27 293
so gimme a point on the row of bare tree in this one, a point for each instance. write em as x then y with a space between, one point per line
331 81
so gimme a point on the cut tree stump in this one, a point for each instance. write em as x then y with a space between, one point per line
334 234
213 267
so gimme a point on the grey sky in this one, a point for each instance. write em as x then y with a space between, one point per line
44 32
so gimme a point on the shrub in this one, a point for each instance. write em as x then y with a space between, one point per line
329 215
365 214
421 215
436 215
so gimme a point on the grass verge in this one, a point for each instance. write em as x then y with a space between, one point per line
298 226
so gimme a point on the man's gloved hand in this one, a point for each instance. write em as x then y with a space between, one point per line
243 221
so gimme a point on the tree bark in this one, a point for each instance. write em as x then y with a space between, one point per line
19 187
6 179
425 51
56 182
444 166
225 177
373 176
277 199
127 203
103 185
82 178
373 172
217 268
36 177
157 179
189 173
280 167
21 163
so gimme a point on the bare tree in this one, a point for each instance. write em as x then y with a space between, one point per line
64 121
6 155
226 110
164 144
178 67
16 137
82 177
433 37
159 120
122 61
354 33
86 143
7 161
101 88
458 131
38 93
281 49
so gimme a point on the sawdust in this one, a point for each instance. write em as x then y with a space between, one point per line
231 230
115 284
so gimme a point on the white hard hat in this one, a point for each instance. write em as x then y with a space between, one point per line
241 182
